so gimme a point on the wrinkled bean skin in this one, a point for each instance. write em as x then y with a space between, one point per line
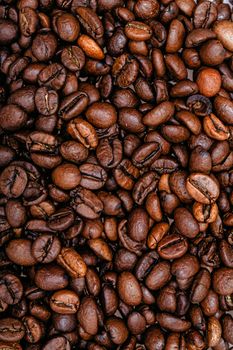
116 174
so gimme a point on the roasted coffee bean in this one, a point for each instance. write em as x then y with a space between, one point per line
8 30
46 101
172 247
125 70
12 117
19 251
101 115
73 105
11 289
203 188
84 132
12 330
51 277
73 58
90 21
53 76
64 302
44 46
46 248
66 26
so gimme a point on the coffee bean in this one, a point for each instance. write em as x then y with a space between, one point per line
209 82
125 70
72 262
64 302
51 277
222 281
12 117
172 246
90 21
172 323
73 105
8 31
84 132
44 46
129 289
12 330
53 76
66 26
223 30
158 276
19 251
88 315
11 289
90 47
101 115
202 188
46 248
46 101
56 343
117 330
66 176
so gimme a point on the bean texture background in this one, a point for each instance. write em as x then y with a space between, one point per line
116 175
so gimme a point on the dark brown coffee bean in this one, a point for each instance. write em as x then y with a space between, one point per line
46 248
175 36
200 286
186 224
159 115
172 323
73 105
146 154
202 188
172 246
129 289
12 117
12 330
146 9
159 276
15 213
19 251
222 281
66 176
51 277
66 26
46 101
53 76
117 330
84 132
101 115
125 70
185 267
64 302
13 181
90 21
8 31
72 262
24 98
86 203
73 151
56 343
44 46
11 289
28 21
137 31
93 176
223 31
88 315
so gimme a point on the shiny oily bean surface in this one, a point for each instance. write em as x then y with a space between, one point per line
116 175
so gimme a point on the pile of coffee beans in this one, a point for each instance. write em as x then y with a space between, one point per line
116 175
